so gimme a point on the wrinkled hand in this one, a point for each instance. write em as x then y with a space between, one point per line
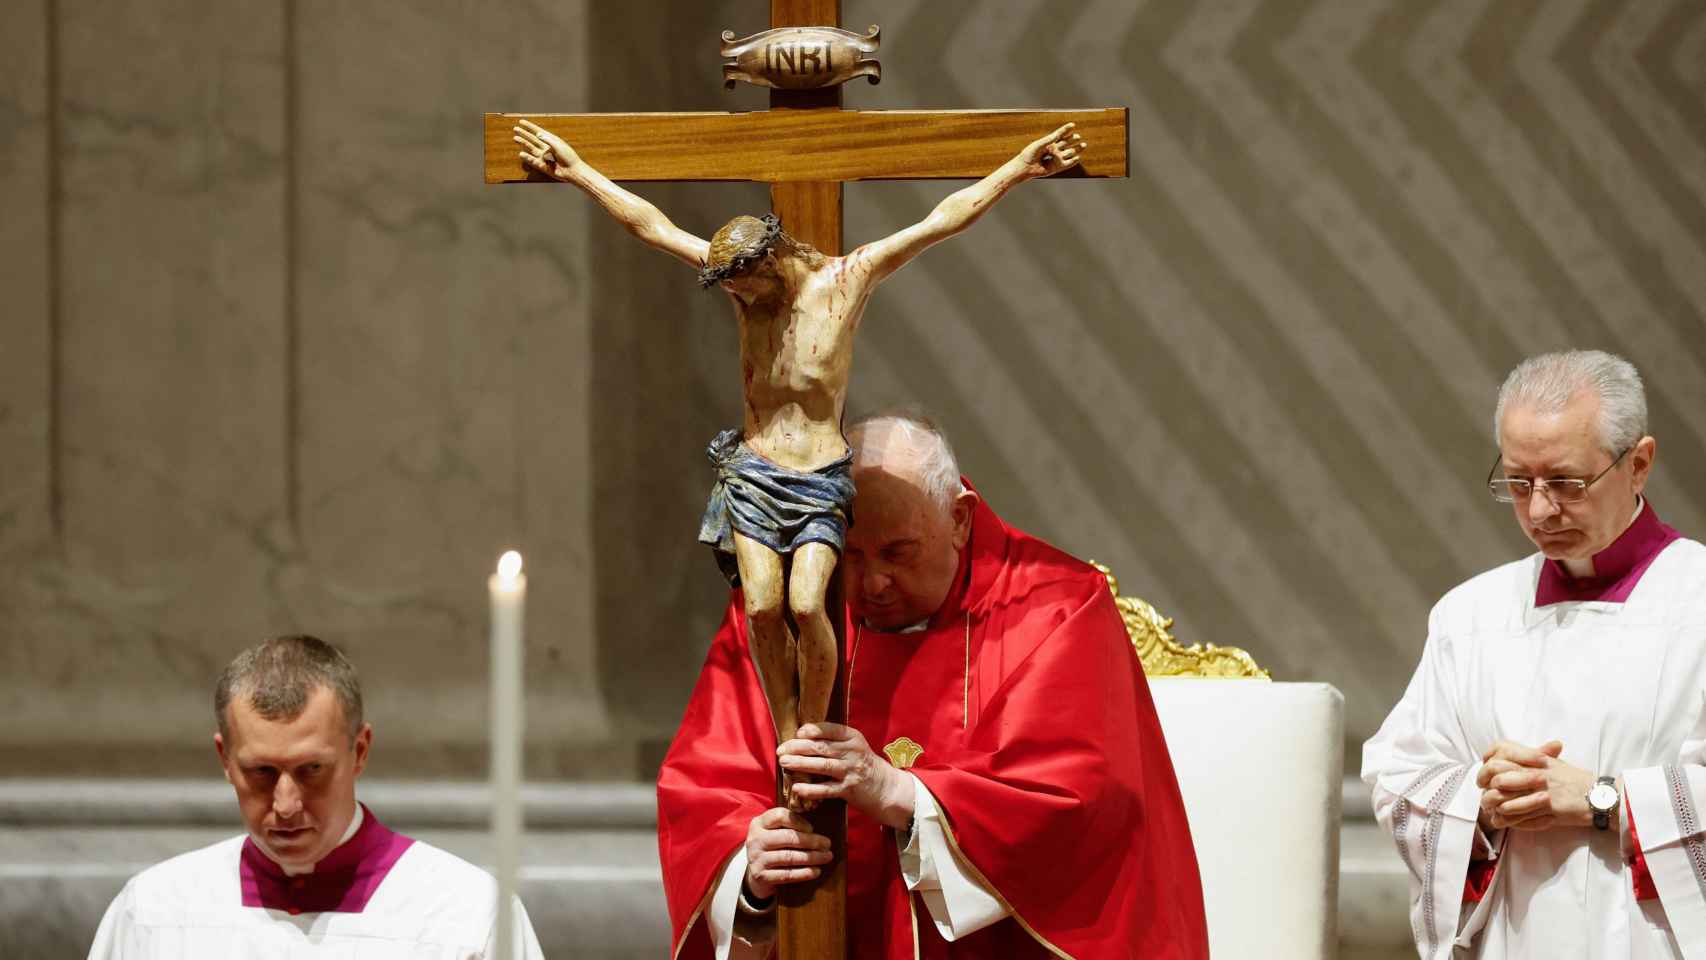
850 771
1060 150
781 848
1528 788
544 151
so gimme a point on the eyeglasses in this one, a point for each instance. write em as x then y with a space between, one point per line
1558 489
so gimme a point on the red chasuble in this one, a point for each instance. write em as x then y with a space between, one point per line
1040 743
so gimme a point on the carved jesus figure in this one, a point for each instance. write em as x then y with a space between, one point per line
784 485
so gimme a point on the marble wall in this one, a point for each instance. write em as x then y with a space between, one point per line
273 357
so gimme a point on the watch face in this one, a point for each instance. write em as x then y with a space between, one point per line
1602 797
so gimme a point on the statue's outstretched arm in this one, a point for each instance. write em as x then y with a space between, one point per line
1043 156
549 154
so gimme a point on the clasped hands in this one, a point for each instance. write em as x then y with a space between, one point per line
780 845
1529 788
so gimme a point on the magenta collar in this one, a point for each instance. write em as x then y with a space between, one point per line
1617 568
342 883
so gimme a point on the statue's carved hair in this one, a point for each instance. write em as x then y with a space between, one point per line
278 676
744 241
737 245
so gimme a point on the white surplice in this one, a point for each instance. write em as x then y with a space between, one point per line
1623 686
431 905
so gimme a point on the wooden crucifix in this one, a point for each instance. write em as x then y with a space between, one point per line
787 272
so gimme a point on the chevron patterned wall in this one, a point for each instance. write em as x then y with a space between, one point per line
1258 376
275 359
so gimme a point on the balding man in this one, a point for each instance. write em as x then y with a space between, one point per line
1009 790
1542 777
317 875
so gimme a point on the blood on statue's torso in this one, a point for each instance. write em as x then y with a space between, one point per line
796 356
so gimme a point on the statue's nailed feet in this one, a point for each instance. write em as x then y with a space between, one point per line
797 804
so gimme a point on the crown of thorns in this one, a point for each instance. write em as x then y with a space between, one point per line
740 262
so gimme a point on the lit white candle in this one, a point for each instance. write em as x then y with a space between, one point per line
509 596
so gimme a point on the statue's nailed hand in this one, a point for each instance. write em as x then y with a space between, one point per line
545 152
849 770
1060 150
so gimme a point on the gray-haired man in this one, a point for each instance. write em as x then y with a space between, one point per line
1541 775
1023 802
317 874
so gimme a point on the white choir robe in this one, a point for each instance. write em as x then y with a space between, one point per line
1614 668
407 901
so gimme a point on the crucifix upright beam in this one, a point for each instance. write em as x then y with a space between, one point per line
811 920
805 147
810 208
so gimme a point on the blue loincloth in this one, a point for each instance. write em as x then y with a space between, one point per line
778 507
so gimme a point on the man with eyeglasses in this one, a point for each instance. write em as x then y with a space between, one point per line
1544 776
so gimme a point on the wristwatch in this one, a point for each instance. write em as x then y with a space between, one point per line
1602 800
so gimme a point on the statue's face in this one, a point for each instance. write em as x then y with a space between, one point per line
1566 443
295 779
761 280
903 549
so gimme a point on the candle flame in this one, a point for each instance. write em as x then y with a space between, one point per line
509 565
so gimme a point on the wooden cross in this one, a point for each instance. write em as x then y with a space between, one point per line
806 146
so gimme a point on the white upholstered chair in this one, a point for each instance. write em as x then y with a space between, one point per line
1260 766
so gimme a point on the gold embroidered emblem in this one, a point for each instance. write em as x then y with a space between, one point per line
903 752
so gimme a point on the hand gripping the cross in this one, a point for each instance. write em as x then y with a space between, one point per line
781 848
780 845
847 769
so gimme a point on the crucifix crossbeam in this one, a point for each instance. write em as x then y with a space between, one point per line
787 146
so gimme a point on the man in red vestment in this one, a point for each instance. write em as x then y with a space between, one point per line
1009 791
